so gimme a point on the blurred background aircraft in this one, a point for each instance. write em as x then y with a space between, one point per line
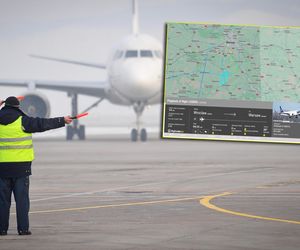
79 30
134 78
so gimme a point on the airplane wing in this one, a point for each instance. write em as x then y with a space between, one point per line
96 88
87 64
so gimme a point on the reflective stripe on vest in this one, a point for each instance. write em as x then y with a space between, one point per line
16 147
16 139
15 144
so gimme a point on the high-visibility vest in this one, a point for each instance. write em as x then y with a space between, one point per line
15 144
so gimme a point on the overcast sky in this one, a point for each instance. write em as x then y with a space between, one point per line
87 29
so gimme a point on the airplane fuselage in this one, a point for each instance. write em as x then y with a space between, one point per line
292 113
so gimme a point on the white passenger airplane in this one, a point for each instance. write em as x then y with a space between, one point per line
134 79
290 114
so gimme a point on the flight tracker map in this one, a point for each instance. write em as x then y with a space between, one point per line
232 82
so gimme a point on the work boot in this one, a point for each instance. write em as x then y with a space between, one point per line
24 233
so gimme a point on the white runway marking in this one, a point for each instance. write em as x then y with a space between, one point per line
146 184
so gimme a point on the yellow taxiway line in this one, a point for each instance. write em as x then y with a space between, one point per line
206 201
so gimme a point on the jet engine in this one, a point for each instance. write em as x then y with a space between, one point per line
35 104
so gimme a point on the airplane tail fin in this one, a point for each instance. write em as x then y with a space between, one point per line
135 18
281 110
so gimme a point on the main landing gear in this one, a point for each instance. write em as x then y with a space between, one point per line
137 133
74 128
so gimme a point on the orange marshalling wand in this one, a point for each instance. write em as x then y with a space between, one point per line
80 115
20 98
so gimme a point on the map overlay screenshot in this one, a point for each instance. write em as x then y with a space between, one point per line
232 82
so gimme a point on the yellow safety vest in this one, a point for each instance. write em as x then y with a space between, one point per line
15 144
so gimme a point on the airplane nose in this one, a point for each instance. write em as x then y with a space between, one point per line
139 76
141 80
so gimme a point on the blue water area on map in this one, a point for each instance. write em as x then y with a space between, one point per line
224 76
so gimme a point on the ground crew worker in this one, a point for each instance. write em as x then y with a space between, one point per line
16 155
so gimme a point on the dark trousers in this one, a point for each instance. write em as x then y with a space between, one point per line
20 187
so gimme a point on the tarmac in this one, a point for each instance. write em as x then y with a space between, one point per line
110 193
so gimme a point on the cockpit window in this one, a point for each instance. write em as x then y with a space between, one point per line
146 53
158 53
131 53
118 54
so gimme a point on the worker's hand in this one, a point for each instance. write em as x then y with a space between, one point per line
68 119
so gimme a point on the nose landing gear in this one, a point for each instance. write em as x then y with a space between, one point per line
137 133
134 134
143 134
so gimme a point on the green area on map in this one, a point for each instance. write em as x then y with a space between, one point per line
232 62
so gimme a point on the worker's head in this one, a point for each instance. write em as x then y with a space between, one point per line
12 101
